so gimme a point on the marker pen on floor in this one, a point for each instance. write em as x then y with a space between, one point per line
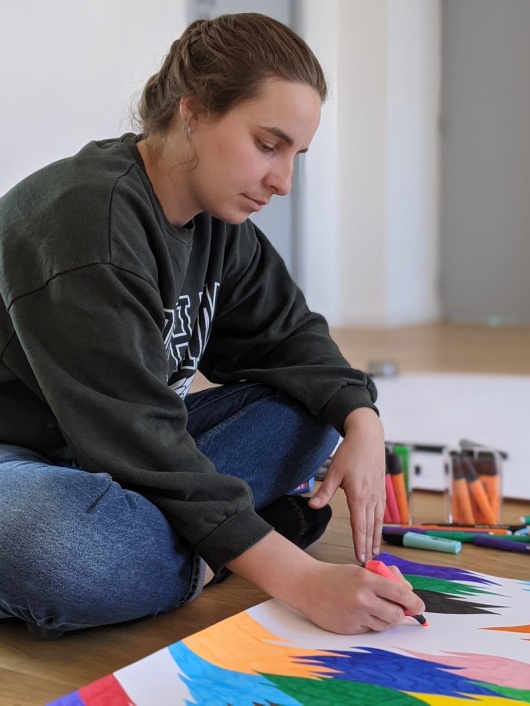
378 567
419 540
461 525
464 537
504 545
522 538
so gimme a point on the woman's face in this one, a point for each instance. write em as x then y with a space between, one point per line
247 156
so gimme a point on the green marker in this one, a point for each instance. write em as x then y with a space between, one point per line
458 536
511 537
525 520
464 537
404 454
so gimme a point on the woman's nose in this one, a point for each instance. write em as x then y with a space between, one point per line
280 177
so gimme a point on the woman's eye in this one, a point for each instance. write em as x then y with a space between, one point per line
264 147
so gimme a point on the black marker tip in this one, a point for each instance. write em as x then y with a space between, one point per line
422 620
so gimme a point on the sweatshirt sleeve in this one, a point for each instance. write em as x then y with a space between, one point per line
102 368
265 332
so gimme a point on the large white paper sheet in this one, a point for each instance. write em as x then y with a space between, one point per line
475 651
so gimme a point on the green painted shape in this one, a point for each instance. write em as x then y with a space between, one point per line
428 583
518 695
338 692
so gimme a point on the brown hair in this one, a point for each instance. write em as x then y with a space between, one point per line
222 62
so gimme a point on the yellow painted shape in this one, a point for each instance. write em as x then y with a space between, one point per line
473 700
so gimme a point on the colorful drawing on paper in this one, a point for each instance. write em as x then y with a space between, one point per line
476 651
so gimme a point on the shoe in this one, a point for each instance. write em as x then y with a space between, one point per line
220 576
293 518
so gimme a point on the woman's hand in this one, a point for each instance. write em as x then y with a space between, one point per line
341 598
350 600
358 467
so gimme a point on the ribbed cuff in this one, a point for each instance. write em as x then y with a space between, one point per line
343 402
230 539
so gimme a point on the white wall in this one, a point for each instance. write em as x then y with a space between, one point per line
413 162
319 236
69 70
381 265
485 212
367 240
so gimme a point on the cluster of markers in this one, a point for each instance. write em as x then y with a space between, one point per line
450 537
474 474
476 487
396 484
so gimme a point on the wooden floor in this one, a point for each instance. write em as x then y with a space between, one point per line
33 673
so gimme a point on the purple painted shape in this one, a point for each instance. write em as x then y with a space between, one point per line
72 699
440 572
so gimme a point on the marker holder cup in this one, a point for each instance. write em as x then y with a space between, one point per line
429 475
475 486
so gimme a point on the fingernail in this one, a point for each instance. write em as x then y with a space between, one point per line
362 558
376 550
316 501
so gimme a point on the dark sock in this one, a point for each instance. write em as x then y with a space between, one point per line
292 517
220 576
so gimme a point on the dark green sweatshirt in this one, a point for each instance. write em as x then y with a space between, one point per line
107 311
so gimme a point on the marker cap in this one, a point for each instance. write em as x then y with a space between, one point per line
435 544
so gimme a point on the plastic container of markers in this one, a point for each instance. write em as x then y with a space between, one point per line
397 486
429 484
476 487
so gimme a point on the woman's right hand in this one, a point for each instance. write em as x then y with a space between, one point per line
340 598
348 599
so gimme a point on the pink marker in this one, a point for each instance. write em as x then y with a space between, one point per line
378 567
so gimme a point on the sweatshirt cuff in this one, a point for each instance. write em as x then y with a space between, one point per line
232 537
344 401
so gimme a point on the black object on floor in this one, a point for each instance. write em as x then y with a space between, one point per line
292 517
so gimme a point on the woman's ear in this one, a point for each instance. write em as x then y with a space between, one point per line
190 110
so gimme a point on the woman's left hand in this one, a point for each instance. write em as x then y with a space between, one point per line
358 467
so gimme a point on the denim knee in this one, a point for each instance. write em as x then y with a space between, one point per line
261 435
77 550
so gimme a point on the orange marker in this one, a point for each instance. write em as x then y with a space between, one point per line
477 492
378 567
391 502
398 481
488 467
462 510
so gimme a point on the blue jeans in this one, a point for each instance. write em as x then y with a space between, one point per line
77 550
